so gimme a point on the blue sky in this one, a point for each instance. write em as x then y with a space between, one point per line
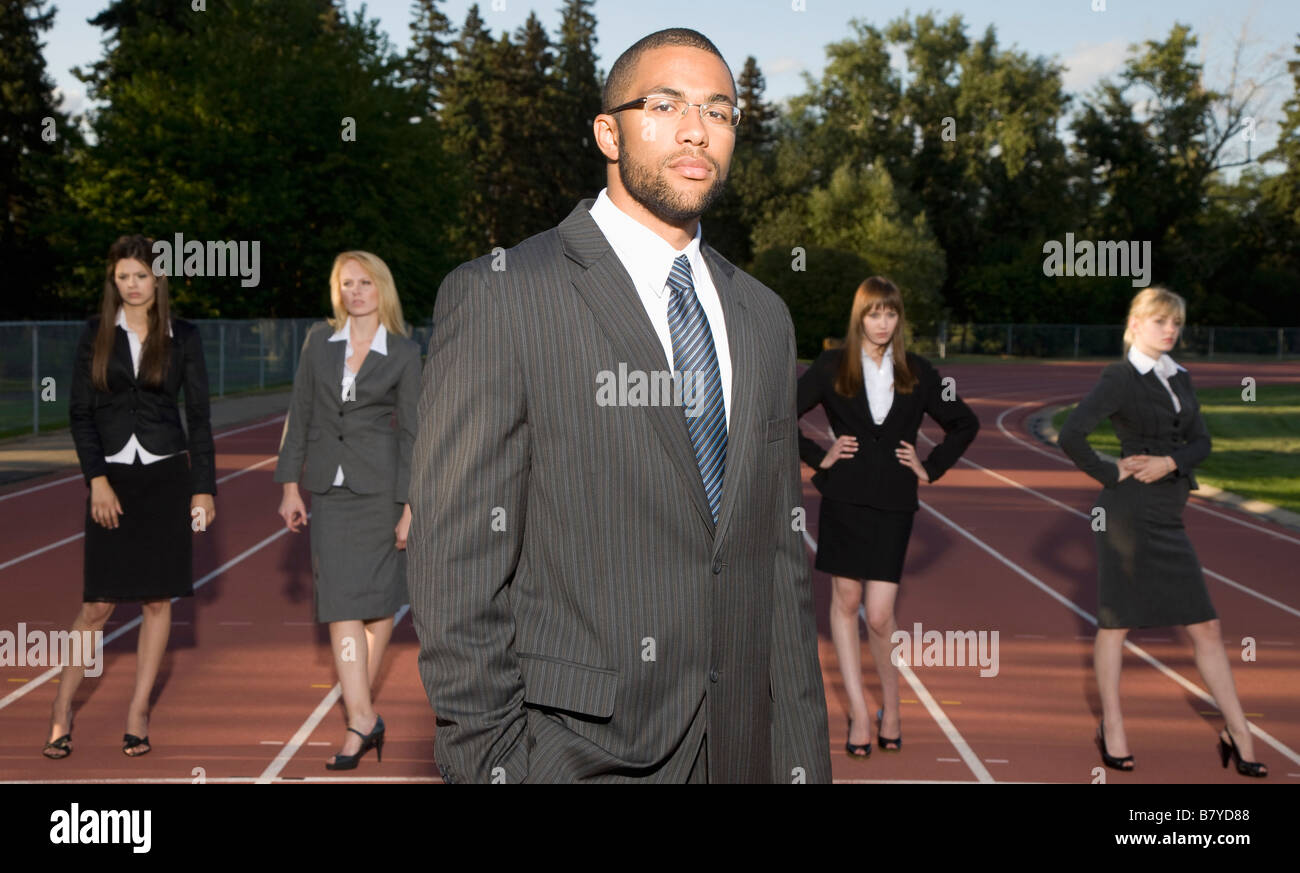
1092 44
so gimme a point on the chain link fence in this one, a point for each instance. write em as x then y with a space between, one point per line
36 357
36 360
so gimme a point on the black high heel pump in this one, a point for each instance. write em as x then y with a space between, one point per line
1125 763
856 751
374 739
888 744
1245 768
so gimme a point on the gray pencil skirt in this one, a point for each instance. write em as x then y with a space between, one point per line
359 572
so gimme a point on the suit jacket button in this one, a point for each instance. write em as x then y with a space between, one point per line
340 413
340 437
713 675
717 566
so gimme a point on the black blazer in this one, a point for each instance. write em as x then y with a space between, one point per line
1145 421
102 421
873 476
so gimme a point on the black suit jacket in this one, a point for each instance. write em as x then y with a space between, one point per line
102 421
1144 419
873 476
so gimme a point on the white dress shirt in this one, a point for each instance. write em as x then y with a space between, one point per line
1164 367
133 449
648 259
378 344
879 383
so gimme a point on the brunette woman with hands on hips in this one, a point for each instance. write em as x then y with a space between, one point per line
874 393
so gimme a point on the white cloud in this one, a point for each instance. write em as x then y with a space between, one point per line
783 65
1090 62
73 99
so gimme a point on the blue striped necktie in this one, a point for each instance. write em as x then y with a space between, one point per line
694 355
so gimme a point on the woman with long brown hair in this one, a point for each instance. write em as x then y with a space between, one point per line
1148 574
875 394
357 372
146 497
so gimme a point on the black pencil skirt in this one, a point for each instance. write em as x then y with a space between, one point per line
149 555
1148 574
862 542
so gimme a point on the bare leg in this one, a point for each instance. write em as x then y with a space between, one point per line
880 628
351 660
378 632
846 595
1212 661
1108 656
91 617
155 628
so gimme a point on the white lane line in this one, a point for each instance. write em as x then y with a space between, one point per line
1271 601
1083 613
1060 457
42 550
78 478
77 536
54 671
299 739
932 706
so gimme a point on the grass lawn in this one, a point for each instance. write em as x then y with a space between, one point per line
1256 449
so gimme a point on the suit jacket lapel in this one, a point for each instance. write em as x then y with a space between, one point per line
336 356
122 354
744 387
610 293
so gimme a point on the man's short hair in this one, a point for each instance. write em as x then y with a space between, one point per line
619 79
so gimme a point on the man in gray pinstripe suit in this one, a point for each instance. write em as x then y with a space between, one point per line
608 583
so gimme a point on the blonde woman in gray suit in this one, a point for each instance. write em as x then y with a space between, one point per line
341 442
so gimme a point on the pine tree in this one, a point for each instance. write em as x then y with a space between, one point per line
35 136
428 60
581 173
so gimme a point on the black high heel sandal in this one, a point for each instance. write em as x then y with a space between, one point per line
893 744
1245 768
1125 763
60 747
856 751
130 742
374 739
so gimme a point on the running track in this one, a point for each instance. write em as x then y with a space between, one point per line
247 691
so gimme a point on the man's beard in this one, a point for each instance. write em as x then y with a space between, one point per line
651 190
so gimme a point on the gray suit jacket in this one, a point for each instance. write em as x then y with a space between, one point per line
579 616
326 431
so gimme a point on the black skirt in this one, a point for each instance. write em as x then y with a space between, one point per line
148 556
1148 574
862 542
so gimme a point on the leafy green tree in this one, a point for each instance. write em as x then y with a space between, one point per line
278 122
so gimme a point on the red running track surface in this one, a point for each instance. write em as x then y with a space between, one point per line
1002 543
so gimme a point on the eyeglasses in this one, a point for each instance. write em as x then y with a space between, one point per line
661 107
